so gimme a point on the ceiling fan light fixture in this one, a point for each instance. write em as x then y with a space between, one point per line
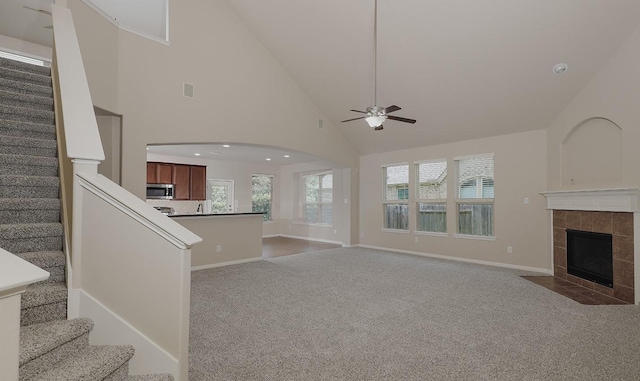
375 120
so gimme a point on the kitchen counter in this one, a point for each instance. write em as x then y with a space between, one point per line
213 214
226 238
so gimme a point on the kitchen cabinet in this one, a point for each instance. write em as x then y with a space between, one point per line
190 181
198 182
159 173
182 181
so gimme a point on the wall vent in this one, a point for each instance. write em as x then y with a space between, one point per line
187 90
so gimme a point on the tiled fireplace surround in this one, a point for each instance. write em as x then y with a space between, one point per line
601 211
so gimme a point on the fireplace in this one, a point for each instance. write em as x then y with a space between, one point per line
605 212
589 256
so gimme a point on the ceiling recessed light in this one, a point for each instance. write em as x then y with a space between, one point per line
226 145
268 159
560 68
215 152
287 156
196 154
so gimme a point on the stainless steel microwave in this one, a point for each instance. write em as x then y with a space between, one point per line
160 191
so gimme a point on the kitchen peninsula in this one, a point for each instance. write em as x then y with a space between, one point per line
227 238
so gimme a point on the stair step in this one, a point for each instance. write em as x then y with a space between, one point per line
26 114
45 344
23 66
29 211
22 238
43 302
52 261
25 76
97 362
13 186
13 145
27 130
11 98
25 88
28 165
152 377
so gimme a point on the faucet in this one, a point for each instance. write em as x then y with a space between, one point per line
199 208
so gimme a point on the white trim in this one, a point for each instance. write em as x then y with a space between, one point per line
111 329
602 200
636 256
433 234
222 264
16 274
395 164
312 224
400 231
129 29
271 236
431 161
458 259
455 158
478 237
311 239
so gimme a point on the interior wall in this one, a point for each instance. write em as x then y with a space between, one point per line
109 128
612 94
29 49
520 172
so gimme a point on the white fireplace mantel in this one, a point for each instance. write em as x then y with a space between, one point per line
601 200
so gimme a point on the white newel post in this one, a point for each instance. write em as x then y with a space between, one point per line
86 167
15 275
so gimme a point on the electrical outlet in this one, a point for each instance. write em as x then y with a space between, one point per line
218 248
335 231
361 234
509 249
526 200
416 239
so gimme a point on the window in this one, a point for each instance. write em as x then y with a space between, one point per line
432 196
318 198
262 196
475 195
396 196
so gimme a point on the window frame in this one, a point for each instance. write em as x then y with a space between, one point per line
320 203
474 201
272 178
399 202
433 201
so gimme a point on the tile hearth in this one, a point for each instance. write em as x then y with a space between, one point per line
572 291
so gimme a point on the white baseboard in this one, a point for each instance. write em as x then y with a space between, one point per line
310 239
225 263
476 261
111 329
271 236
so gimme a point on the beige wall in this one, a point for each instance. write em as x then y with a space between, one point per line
520 171
612 94
13 45
239 238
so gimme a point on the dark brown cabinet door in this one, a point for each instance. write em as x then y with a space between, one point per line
152 173
198 182
182 182
165 173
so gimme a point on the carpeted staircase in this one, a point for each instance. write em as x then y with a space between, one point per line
51 347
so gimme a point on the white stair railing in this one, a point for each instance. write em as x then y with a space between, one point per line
130 265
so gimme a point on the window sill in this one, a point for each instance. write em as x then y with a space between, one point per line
399 231
269 222
476 237
433 234
312 224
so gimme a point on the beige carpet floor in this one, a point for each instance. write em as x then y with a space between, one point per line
361 314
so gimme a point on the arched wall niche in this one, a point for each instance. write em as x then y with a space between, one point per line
591 153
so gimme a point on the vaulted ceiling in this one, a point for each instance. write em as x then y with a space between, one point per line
464 69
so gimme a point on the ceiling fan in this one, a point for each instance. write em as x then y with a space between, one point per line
375 115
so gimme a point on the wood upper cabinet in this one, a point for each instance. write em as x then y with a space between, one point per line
181 181
198 183
189 180
159 173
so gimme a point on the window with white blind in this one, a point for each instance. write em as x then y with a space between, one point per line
431 203
317 189
396 196
262 196
475 195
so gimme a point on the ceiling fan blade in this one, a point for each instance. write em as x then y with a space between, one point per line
37 10
378 128
391 109
349 120
400 119
361 112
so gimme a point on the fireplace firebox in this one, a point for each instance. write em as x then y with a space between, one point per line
590 256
